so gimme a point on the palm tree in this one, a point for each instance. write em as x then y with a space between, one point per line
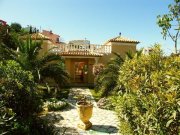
48 65
107 79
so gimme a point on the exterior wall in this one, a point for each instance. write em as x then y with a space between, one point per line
45 47
52 36
80 42
90 69
70 67
120 48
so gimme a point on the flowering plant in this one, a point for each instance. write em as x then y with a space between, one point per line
97 68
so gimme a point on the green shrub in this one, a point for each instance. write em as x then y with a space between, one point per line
55 105
149 100
7 119
42 127
19 90
35 126
20 95
106 80
52 92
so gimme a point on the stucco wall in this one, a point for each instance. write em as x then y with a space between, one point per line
90 69
120 48
46 45
70 67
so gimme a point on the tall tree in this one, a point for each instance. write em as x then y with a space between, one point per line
16 27
170 23
8 38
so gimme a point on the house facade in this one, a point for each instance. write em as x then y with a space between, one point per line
81 55
3 23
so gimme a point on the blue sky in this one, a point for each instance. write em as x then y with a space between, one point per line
96 20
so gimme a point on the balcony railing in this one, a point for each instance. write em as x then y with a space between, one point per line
90 48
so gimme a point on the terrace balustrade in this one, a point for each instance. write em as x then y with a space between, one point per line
90 48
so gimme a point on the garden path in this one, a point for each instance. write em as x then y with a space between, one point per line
104 121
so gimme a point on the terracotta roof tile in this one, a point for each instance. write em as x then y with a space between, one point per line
122 40
54 37
46 32
3 22
35 36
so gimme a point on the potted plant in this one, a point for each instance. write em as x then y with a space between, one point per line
84 108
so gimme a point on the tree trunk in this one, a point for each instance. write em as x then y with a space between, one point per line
175 47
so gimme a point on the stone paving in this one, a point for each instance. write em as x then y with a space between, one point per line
104 121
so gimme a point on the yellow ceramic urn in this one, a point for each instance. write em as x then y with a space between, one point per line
85 112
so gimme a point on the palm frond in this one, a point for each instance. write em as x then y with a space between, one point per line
129 55
50 58
139 53
107 79
7 53
56 72
30 48
48 65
